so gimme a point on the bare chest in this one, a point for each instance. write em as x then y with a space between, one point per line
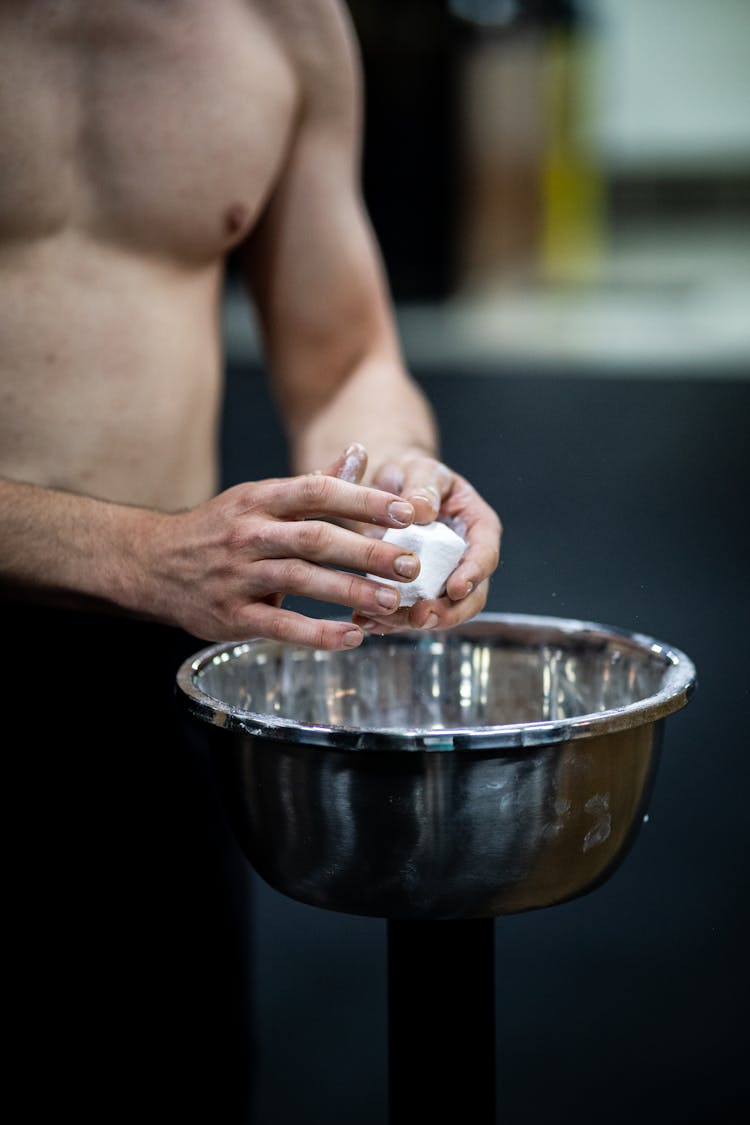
160 127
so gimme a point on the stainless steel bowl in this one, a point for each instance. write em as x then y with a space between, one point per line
499 767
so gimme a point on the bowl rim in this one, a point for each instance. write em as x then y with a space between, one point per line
679 683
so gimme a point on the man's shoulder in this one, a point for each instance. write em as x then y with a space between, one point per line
319 39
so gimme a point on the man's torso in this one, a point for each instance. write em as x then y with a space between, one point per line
140 140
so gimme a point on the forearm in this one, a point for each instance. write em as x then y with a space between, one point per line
62 547
378 405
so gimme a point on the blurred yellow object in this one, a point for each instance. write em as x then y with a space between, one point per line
573 209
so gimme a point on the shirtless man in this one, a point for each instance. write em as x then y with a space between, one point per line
140 142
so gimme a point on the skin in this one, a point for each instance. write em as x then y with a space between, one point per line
156 137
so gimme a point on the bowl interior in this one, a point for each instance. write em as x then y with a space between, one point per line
497 673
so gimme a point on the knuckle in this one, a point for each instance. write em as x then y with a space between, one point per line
250 499
377 556
241 535
319 637
354 593
283 630
316 490
293 575
312 536
236 622
259 539
236 535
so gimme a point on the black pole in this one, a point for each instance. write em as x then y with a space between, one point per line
441 1020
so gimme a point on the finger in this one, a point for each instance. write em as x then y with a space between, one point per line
426 483
389 477
350 465
315 495
444 613
381 626
294 628
432 614
480 560
397 622
421 479
305 579
478 563
320 542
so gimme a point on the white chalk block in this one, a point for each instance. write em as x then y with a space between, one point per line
439 550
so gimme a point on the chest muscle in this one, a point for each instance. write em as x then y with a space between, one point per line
163 133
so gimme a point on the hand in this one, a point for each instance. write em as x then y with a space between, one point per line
226 565
435 491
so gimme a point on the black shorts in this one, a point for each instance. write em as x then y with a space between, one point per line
127 919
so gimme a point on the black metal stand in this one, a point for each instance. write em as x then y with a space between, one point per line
441 1020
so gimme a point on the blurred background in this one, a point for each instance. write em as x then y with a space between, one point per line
560 181
562 195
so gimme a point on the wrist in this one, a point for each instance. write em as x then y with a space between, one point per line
134 553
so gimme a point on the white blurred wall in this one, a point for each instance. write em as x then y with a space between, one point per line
670 84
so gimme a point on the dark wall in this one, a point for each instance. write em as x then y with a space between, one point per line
624 501
410 54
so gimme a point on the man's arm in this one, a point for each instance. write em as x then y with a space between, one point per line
65 548
315 273
219 570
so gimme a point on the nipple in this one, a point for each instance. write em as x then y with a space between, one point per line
236 220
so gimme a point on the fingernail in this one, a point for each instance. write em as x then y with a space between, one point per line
352 638
431 621
401 512
388 599
407 566
354 456
370 626
430 494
